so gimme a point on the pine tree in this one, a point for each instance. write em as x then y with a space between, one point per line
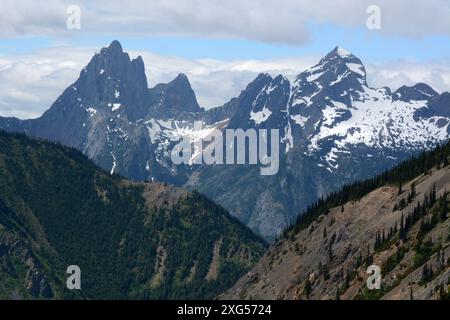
433 193
347 280
358 260
400 187
443 207
326 273
413 190
443 259
308 288
338 294
427 273
330 251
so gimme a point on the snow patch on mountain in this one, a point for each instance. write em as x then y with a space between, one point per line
356 68
260 116
299 119
314 76
343 53
379 122
114 163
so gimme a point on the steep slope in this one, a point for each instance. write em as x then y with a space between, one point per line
130 239
334 129
394 221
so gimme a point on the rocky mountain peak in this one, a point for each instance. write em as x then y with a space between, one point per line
181 79
419 91
110 80
340 52
114 64
174 97
114 46
340 64
339 71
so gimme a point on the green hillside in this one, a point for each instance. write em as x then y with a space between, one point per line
131 240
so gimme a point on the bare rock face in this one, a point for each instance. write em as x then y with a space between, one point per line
329 259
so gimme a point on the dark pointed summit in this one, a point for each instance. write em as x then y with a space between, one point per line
341 53
175 96
254 87
341 60
117 84
264 77
115 46
181 80
113 61
113 50
110 78
338 68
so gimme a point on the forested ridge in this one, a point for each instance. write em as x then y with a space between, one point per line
397 223
397 176
58 209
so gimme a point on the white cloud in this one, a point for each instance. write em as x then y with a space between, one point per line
281 21
216 81
407 72
29 84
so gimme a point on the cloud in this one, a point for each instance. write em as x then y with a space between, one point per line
30 83
408 72
282 21
217 81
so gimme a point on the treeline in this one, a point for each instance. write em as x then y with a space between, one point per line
398 175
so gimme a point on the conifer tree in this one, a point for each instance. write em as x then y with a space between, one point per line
400 187
308 288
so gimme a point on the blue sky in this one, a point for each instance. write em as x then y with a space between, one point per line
221 46
367 44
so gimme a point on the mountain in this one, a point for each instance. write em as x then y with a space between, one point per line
334 129
131 240
104 114
398 221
